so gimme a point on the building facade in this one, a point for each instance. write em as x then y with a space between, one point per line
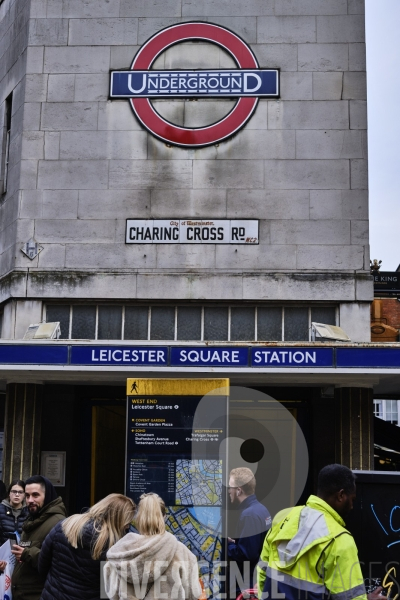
77 164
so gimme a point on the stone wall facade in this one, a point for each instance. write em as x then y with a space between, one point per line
82 164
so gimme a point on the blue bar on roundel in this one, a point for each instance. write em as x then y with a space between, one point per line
181 84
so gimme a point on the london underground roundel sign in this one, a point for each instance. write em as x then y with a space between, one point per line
247 83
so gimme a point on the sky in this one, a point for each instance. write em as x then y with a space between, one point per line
383 84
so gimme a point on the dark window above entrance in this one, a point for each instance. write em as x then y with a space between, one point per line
222 323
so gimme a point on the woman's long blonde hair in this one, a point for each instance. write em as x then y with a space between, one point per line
150 515
111 516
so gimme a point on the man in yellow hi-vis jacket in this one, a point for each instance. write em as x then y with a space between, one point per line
308 554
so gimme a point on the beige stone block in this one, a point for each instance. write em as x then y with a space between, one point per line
186 256
359 233
328 144
255 257
343 28
77 59
355 204
311 7
336 258
286 30
357 57
308 115
97 145
73 9
245 174
31 204
358 114
326 204
102 31
143 8
307 174
268 204
122 56
354 86
111 204
75 230
279 56
52 145
58 116
32 144
205 203
61 204
323 57
92 87
328 232
240 8
111 256
73 174
28 174
359 174
36 88
297 86
48 32
52 256
118 116
327 86
61 88
137 174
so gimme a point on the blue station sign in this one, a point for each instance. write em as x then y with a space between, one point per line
292 357
267 357
20 354
195 84
215 357
124 355
384 358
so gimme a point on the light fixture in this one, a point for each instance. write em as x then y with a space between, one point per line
323 332
43 331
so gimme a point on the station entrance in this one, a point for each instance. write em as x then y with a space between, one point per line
102 454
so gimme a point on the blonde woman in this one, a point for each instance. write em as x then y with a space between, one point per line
152 564
71 553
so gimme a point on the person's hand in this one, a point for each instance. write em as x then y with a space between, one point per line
3 565
17 551
376 594
231 541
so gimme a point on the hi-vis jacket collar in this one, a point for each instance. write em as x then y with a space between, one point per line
319 504
304 528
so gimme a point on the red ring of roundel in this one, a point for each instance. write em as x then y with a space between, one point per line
202 136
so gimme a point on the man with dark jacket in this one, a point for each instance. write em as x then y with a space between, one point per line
45 511
254 522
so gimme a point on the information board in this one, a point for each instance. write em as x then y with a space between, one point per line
174 431
375 525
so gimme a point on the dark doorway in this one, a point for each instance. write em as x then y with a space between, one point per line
108 450
100 468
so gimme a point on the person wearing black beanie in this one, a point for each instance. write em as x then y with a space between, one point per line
50 493
46 509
